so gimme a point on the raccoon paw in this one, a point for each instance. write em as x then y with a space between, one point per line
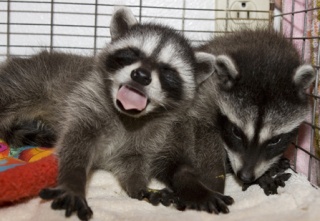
164 196
69 201
213 203
280 167
270 184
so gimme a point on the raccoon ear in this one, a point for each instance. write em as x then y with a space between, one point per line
204 66
226 71
122 20
304 76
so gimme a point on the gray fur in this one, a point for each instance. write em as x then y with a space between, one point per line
76 97
257 95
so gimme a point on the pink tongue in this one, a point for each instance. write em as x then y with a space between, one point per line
131 99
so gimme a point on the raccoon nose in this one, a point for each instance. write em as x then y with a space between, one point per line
246 176
142 76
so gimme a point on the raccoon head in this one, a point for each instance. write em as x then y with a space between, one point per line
151 68
259 117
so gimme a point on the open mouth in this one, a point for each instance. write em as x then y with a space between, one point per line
131 100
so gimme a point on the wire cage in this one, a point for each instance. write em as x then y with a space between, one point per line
27 27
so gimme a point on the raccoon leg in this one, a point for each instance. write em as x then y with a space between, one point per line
29 132
194 189
76 154
131 174
70 197
188 190
192 170
273 178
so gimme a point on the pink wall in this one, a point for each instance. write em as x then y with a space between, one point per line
302 24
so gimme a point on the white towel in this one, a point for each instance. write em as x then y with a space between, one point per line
297 201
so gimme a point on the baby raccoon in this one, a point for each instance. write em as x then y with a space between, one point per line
108 112
246 113
259 88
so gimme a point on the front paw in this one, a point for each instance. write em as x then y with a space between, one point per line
210 202
270 184
280 167
67 200
164 196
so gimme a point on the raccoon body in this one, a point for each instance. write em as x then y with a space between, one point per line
258 97
33 92
113 111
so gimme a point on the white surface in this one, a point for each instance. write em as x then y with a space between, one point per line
297 201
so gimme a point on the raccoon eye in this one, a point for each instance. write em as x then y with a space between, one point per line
236 132
274 141
127 56
167 70
169 73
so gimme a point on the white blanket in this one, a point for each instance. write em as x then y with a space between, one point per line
297 201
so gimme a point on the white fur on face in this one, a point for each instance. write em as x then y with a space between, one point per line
249 130
246 125
169 55
146 43
274 124
155 93
235 160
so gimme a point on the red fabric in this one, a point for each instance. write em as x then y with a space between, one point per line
26 181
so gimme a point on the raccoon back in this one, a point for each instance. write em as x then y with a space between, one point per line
33 90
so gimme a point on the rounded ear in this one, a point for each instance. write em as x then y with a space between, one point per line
226 71
122 20
204 66
304 76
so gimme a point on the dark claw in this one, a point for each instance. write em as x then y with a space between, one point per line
223 202
203 200
143 194
84 211
155 198
211 208
167 197
180 205
228 200
59 203
212 203
63 199
164 196
245 186
69 211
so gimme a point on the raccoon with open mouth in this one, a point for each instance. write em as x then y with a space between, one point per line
246 114
107 112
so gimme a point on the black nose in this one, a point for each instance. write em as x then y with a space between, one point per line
142 76
246 176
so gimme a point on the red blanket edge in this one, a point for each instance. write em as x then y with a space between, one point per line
26 181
